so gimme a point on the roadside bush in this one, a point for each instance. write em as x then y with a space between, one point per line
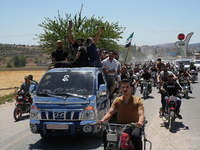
7 98
9 65
19 61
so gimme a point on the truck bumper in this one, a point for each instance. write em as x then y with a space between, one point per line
64 128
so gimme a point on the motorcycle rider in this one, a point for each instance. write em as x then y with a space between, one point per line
192 66
25 87
163 77
159 64
185 75
154 71
130 110
146 76
180 69
171 87
134 80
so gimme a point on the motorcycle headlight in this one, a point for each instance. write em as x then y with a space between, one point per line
88 113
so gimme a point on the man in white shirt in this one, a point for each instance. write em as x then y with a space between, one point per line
110 67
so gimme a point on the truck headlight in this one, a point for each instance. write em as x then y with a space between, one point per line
34 114
88 113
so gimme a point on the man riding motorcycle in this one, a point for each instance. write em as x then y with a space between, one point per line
25 87
146 76
130 110
171 87
163 77
192 66
185 75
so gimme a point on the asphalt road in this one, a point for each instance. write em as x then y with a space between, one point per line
186 135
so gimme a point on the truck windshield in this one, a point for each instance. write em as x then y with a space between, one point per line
61 83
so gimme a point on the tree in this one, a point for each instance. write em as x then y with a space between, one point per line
9 64
19 61
82 27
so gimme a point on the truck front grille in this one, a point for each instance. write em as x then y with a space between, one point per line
61 115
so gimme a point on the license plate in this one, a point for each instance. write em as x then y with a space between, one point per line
20 97
57 126
111 137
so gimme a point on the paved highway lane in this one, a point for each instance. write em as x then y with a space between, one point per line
17 136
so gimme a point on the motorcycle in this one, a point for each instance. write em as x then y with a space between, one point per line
117 139
194 75
145 88
170 111
22 105
185 84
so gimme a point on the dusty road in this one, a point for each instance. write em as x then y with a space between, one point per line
17 136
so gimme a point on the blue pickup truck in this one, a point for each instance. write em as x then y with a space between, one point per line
68 101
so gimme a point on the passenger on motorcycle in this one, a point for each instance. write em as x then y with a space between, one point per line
130 110
31 79
171 87
146 76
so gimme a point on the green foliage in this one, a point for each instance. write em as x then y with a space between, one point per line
19 61
83 27
7 98
9 64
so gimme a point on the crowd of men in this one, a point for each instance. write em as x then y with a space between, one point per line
125 76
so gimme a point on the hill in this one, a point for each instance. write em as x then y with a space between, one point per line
33 54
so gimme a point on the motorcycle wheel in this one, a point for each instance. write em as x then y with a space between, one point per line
186 95
144 93
171 120
17 113
193 81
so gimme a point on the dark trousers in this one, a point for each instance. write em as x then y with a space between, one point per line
135 136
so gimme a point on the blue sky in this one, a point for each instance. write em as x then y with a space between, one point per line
152 21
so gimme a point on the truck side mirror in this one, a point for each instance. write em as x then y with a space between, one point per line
102 90
32 88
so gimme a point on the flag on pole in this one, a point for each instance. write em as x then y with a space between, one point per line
129 39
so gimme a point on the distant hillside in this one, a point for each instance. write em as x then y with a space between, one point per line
33 54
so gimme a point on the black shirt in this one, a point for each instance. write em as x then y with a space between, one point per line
59 55
146 76
83 58
172 88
